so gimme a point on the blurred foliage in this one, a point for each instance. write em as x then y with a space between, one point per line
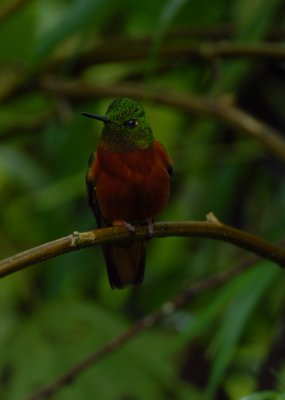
56 313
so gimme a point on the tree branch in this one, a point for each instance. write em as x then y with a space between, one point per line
208 229
135 49
228 114
149 321
179 44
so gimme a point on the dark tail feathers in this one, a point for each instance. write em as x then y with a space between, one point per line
125 263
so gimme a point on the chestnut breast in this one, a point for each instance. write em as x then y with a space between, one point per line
132 185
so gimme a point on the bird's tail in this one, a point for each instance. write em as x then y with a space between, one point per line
125 263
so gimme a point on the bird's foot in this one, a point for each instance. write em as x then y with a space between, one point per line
131 228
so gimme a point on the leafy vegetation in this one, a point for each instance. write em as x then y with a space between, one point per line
58 58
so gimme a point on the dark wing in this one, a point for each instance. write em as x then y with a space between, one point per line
170 170
92 201
125 261
91 191
166 159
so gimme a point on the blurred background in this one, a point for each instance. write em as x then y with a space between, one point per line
58 58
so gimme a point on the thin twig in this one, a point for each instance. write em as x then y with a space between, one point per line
149 321
228 114
76 241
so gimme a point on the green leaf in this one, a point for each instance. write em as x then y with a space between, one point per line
200 321
166 17
18 35
78 14
266 395
253 17
255 284
64 333
15 165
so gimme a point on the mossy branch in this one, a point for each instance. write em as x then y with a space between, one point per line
209 229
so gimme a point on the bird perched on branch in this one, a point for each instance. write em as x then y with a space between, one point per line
128 183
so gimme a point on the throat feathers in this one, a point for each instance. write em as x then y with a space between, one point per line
128 183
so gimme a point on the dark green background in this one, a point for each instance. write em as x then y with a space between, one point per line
54 314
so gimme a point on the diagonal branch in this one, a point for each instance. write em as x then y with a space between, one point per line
228 114
212 229
149 321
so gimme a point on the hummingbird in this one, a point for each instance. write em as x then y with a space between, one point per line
128 183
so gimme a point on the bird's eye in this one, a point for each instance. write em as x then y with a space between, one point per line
131 123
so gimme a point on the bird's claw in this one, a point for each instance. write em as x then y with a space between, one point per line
131 228
150 228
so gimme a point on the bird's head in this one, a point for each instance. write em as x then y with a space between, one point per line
125 126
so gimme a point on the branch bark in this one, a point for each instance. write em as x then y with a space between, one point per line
226 113
209 229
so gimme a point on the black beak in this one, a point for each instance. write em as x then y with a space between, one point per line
102 118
